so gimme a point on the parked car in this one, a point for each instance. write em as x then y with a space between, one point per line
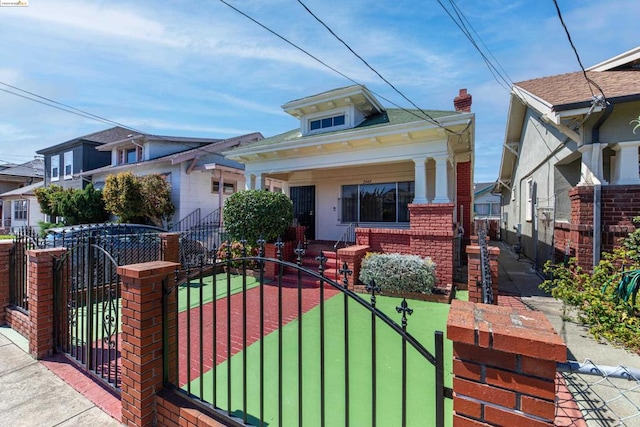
125 243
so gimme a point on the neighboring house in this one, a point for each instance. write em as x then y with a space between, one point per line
569 170
14 177
200 177
487 207
401 178
21 208
65 162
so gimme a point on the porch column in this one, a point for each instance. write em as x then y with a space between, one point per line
221 191
420 197
586 174
260 182
249 181
626 163
442 184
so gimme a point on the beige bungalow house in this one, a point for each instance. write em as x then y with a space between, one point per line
403 177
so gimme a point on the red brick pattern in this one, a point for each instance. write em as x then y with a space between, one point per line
464 194
5 249
474 273
170 243
173 411
40 286
142 358
352 255
18 321
504 365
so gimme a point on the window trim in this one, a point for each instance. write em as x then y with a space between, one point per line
24 211
55 177
226 185
529 205
68 162
319 119
398 203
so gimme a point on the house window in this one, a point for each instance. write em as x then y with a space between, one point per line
495 209
20 210
326 122
130 155
383 202
68 165
482 209
227 187
529 190
55 168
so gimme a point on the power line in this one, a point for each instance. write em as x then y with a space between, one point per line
364 61
315 58
584 72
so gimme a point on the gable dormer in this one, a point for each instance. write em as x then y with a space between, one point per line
334 110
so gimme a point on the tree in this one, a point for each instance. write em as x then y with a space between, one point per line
74 205
138 199
156 192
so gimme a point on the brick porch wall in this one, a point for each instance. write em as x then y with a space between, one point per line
619 205
430 235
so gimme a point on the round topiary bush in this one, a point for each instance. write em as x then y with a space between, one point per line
399 273
251 214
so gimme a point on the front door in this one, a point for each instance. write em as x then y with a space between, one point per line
304 208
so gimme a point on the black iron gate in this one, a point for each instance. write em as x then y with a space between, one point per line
239 347
87 310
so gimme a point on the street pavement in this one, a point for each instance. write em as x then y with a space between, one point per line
32 395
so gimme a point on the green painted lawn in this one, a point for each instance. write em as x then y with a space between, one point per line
221 289
426 319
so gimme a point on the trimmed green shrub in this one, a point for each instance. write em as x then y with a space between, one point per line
252 214
399 273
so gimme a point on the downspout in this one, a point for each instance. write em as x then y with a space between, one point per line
597 190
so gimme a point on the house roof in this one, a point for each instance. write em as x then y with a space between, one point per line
27 190
31 169
482 187
357 95
96 138
389 117
201 155
571 89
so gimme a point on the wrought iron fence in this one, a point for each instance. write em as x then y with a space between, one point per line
23 240
485 267
251 350
605 395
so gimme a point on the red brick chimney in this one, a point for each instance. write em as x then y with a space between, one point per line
462 102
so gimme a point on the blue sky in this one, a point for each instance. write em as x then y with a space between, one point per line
198 68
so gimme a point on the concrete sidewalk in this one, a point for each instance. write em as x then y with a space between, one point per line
32 395
603 401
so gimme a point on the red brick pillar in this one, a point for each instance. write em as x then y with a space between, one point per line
40 291
5 293
431 227
142 332
170 243
464 187
352 255
504 366
581 235
474 273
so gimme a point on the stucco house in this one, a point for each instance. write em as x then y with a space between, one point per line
487 207
21 208
402 177
569 174
200 177
15 211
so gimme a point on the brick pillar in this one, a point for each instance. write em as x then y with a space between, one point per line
431 227
5 293
464 188
504 366
352 255
474 273
170 243
41 301
581 235
142 332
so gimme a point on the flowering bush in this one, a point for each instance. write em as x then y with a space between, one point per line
399 273
236 253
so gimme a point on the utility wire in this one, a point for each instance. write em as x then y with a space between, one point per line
584 72
365 62
82 113
315 58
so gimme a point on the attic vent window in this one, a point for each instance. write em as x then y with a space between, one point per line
327 122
